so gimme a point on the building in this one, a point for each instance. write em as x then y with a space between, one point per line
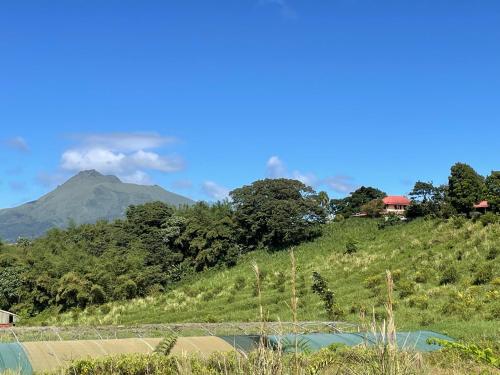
7 319
395 204
482 206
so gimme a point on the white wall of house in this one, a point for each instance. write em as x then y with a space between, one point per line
7 318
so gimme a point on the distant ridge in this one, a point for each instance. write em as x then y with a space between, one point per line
86 197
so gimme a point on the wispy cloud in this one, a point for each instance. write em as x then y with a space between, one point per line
284 7
340 184
127 155
18 143
215 191
276 168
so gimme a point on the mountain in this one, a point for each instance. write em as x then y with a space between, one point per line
85 198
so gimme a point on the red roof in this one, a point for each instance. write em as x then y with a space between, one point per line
482 204
396 199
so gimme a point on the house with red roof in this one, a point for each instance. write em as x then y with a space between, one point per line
482 206
395 204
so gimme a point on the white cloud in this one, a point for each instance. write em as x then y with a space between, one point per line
18 143
275 167
340 184
123 141
215 191
127 155
309 179
138 177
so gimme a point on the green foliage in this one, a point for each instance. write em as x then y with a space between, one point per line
166 345
320 287
351 247
373 208
469 350
465 187
389 221
354 202
450 275
275 213
489 218
493 191
483 275
428 200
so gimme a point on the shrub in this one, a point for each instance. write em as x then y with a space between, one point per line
458 221
449 276
406 288
492 253
97 295
420 301
338 218
483 275
320 288
126 289
488 218
420 277
351 247
239 283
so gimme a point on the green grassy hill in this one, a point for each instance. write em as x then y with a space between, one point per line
447 278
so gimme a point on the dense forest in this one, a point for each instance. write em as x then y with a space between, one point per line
155 245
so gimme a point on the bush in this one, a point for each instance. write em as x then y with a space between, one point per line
97 295
406 288
420 301
493 253
351 247
338 218
449 276
420 277
488 218
483 275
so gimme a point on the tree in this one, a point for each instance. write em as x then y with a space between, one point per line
465 187
353 203
276 212
427 199
373 208
493 191
422 191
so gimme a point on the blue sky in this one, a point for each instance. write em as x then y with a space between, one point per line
204 96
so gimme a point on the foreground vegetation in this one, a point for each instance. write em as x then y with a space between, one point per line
334 360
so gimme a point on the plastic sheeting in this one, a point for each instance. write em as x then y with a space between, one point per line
243 343
416 340
50 355
13 357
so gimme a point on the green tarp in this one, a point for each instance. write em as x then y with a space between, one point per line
13 357
416 340
243 343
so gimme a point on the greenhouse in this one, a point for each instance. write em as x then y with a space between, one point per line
39 356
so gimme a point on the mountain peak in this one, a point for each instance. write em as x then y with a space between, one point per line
93 175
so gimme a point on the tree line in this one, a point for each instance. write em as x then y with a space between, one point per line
154 246
464 189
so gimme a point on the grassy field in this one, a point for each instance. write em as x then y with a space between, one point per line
447 279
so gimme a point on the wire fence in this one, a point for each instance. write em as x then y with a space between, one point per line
49 333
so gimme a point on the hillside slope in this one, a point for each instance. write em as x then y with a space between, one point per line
85 198
424 256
